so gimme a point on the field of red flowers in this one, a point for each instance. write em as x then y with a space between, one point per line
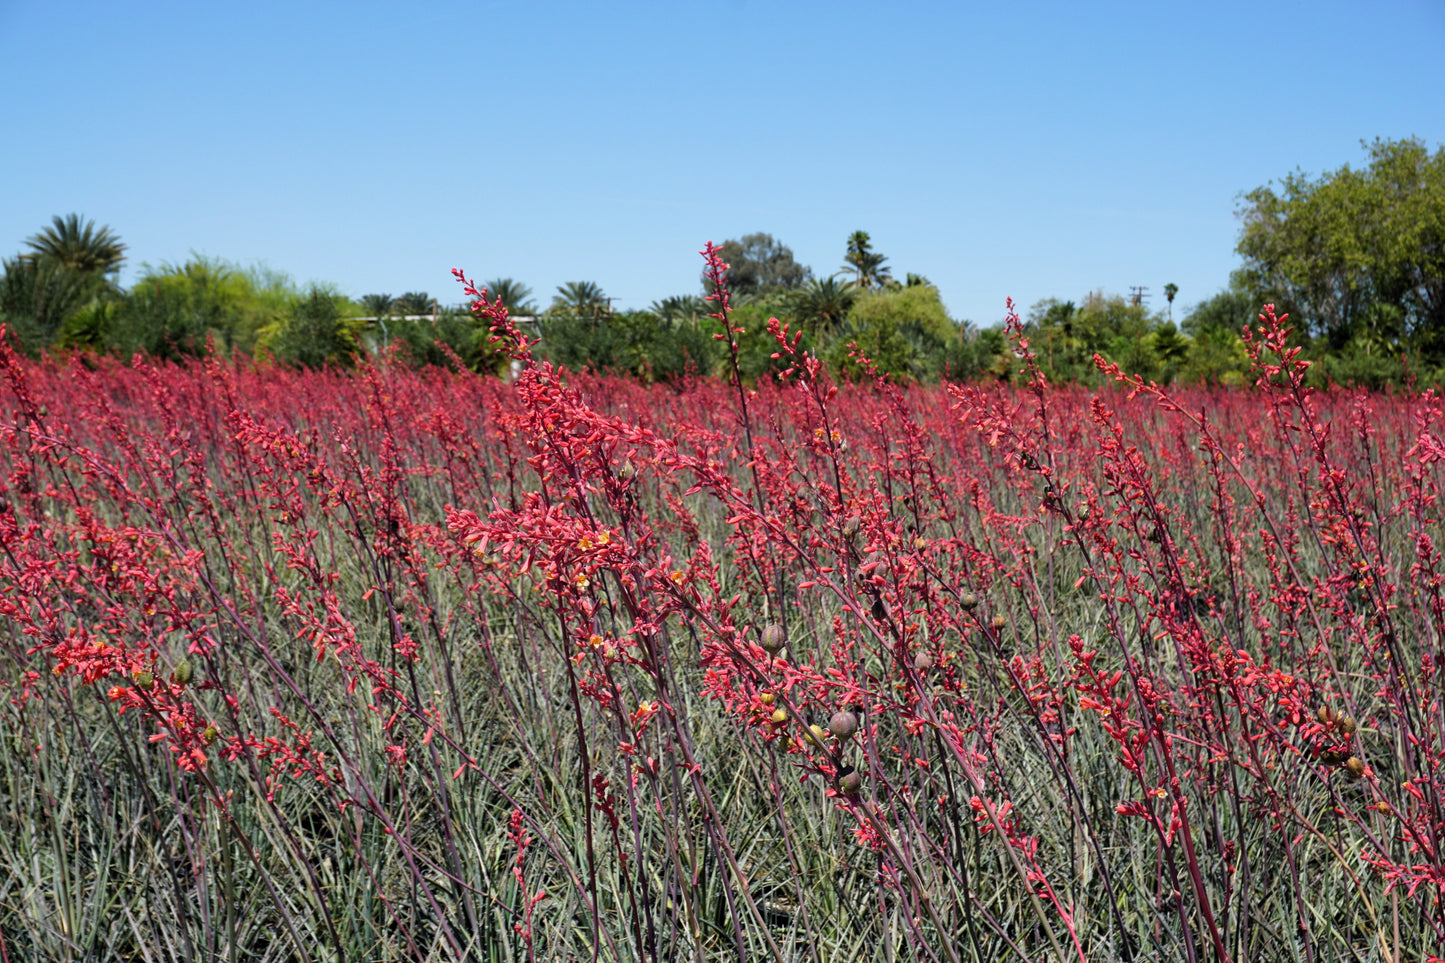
426 666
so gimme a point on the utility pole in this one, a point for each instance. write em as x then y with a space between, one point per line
1138 295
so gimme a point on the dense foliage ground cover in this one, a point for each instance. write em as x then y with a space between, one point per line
393 664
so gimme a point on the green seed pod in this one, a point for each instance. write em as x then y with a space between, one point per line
780 716
182 673
969 601
773 638
144 680
843 724
816 734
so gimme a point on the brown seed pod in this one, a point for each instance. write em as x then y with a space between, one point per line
1324 715
1354 768
843 724
773 638
851 525
1347 724
999 621
969 601
849 781
923 662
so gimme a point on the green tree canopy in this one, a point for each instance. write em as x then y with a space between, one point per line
904 331
759 264
1355 252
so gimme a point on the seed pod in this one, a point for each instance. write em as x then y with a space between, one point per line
923 662
849 782
1347 724
773 638
969 601
1354 768
144 680
1324 715
211 734
780 716
182 673
816 734
999 621
920 543
766 698
851 525
843 724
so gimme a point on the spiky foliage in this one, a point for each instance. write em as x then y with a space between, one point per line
78 244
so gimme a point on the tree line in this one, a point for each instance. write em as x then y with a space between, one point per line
1355 255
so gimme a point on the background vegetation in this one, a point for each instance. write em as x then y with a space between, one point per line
1355 255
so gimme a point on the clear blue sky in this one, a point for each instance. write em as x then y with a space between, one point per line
1023 149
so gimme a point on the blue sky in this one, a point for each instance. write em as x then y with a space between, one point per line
1005 149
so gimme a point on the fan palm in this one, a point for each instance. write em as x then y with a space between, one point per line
79 245
415 303
683 307
581 298
378 305
514 295
824 303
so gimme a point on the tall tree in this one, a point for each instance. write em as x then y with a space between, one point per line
759 264
1170 290
1355 252
78 244
866 264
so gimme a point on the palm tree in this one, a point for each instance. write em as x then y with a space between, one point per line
683 307
415 303
38 295
379 306
581 298
1169 291
514 295
865 263
79 245
824 303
